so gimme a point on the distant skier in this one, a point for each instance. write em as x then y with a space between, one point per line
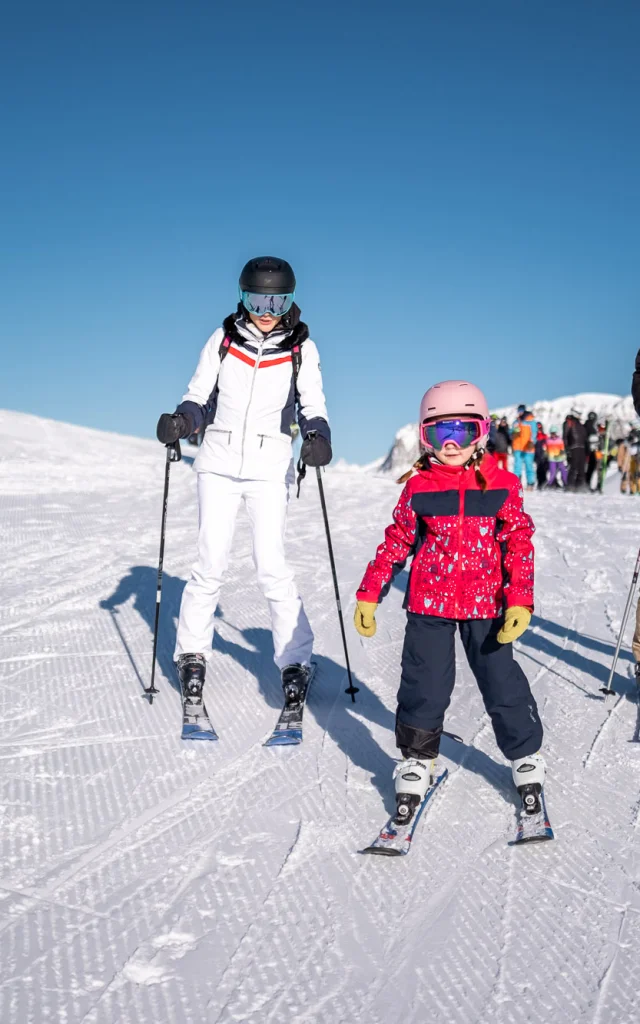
574 437
557 458
635 384
463 519
523 443
629 463
244 397
541 457
502 443
592 445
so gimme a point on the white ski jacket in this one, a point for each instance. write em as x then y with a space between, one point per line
249 402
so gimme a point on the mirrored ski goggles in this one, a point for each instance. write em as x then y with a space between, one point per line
461 431
261 305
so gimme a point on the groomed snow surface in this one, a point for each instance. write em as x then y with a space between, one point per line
147 882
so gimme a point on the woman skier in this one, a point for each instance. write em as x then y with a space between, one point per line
256 375
462 519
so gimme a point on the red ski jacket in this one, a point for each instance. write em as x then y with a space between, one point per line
472 548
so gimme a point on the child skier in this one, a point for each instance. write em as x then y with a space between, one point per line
462 519
557 458
255 373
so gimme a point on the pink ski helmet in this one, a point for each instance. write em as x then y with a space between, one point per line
453 398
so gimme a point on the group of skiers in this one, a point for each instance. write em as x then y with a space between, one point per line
571 457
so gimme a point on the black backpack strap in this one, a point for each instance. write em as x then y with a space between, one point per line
296 363
210 407
224 347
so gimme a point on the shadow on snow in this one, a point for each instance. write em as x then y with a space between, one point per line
346 723
560 652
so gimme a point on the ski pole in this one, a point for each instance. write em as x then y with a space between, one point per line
173 455
351 689
607 689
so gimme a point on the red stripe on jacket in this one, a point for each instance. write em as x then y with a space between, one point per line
242 356
252 362
472 549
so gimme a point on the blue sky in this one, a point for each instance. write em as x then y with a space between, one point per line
456 184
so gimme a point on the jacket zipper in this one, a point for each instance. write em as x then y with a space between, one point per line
460 533
216 430
246 415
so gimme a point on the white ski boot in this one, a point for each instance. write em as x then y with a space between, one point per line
528 777
412 779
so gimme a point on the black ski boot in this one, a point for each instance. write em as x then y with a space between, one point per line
295 679
191 671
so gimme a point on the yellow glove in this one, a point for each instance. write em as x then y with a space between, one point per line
365 618
516 621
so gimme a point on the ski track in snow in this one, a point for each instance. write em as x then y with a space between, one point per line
147 882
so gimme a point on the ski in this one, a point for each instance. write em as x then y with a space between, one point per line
535 827
394 840
196 724
288 728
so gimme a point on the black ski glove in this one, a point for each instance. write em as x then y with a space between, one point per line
316 450
171 427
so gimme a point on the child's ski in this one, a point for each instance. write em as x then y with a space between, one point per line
288 728
533 827
394 840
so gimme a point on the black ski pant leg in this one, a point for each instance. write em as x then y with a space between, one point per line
426 685
504 687
592 465
576 469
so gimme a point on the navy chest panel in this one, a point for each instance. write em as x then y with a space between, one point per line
447 503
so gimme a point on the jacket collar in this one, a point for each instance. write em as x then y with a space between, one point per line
250 332
486 465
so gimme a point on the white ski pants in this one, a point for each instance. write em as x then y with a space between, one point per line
266 502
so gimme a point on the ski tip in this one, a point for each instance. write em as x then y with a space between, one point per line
291 740
543 837
382 851
197 734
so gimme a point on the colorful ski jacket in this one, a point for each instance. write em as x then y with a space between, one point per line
524 433
555 449
472 549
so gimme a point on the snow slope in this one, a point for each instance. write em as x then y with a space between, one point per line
620 411
145 882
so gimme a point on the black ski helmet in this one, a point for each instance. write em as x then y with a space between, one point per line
267 275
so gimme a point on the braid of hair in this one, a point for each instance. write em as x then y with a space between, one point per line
475 461
421 463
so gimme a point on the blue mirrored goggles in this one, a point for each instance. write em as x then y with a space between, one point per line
461 431
261 305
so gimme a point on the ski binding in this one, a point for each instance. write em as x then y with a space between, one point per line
395 838
195 721
288 728
533 819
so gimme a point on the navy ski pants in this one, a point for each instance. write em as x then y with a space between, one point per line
428 677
